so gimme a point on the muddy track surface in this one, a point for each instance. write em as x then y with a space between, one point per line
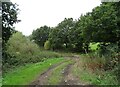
42 79
68 77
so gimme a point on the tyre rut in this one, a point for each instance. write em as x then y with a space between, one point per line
69 78
42 79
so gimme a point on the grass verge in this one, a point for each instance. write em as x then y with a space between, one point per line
0 78
25 74
56 75
93 77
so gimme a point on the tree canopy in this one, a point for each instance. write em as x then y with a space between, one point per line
101 25
9 18
40 35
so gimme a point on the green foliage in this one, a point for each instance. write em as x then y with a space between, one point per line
104 23
111 55
60 35
21 50
99 26
54 39
9 17
94 46
40 35
47 45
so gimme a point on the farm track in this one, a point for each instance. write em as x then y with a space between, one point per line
68 77
42 79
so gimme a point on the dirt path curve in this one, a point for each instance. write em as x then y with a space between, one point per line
69 79
42 79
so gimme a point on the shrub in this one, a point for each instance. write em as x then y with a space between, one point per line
47 45
21 48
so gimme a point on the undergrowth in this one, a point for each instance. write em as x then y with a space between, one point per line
91 70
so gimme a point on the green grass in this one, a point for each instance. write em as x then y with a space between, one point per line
25 74
96 77
105 78
0 81
57 75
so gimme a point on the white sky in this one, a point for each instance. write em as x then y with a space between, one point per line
36 13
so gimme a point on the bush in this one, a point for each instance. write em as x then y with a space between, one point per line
21 48
47 45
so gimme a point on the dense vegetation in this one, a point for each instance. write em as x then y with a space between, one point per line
18 49
95 34
100 27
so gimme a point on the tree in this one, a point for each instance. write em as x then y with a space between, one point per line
85 30
116 7
55 38
59 36
105 23
100 25
9 18
41 35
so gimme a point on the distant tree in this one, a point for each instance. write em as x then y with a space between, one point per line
55 39
40 35
59 36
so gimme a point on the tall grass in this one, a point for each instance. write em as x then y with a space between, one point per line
91 71
93 62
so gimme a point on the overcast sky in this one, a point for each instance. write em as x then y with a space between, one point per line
36 13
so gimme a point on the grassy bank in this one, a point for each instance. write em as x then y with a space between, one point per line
0 80
92 74
25 74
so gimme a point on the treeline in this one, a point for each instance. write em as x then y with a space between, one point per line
99 26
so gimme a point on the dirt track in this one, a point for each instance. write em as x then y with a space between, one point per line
68 78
